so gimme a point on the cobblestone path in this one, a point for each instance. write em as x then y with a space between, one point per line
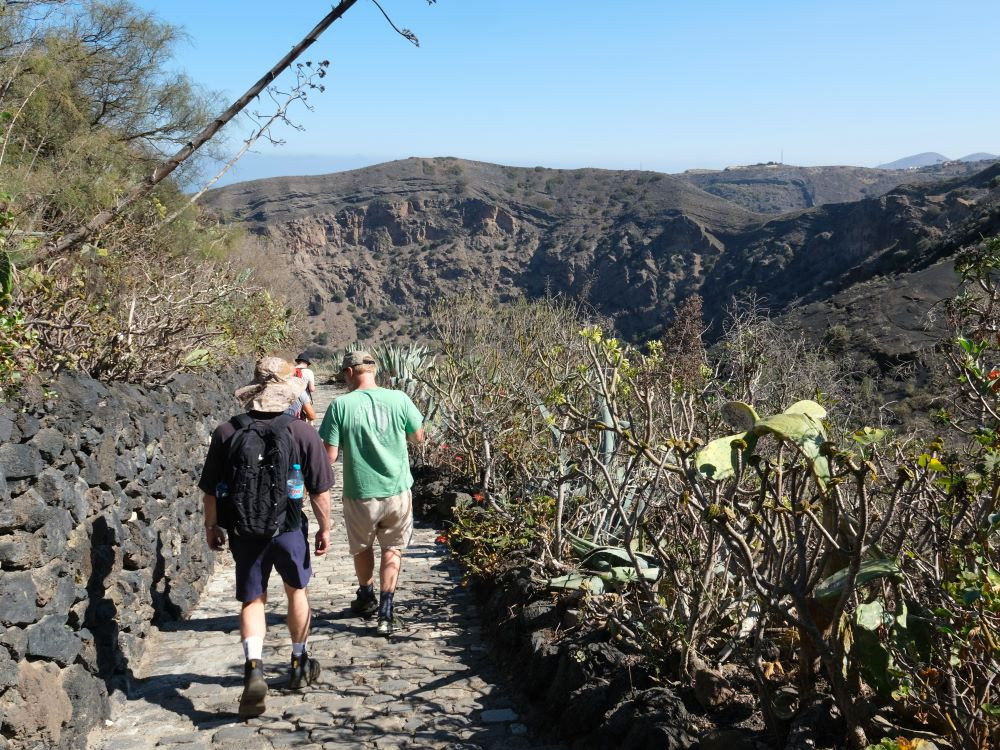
429 686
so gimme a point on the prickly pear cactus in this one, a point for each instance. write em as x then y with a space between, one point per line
800 424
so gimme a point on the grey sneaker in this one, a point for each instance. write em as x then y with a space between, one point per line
254 690
304 671
364 604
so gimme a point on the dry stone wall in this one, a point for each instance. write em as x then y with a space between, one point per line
101 535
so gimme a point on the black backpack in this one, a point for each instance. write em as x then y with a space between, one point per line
260 456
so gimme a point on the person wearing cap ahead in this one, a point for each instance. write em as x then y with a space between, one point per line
273 389
371 426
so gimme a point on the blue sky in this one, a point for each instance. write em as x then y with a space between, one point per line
627 84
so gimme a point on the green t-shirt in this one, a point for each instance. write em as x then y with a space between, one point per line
370 426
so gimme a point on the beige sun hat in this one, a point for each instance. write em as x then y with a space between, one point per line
274 387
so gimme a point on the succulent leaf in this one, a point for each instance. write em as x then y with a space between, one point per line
870 570
717 460
739 416
807 407
578 582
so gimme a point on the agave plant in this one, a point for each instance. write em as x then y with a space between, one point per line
602 568
402 365
403 368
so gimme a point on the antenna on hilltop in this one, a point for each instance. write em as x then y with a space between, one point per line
782 159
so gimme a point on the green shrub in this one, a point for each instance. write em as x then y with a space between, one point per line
490 541
796 531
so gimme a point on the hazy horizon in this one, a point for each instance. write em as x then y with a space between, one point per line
640 85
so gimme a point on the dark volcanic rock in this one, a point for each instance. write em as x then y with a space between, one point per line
28 511
729 739
20 550
56 531
584 711
27 424
50 638
818 724
542 661
17 597
88 696
15 640
8 670
711 688
49 442
6 424
655 719
70 495
538 615
19 461
85 566
56 593
570 675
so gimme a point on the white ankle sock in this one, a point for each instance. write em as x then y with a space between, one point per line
298 649
253 647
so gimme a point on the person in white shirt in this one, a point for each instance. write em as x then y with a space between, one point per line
302 368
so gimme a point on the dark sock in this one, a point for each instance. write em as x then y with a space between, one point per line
367 592
385 605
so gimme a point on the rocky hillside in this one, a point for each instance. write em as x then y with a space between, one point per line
376 246
778 188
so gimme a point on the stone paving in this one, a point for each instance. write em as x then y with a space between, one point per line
430 685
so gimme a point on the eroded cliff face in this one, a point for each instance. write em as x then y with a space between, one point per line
389 259
375 247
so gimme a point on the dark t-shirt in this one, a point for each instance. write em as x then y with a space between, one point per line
312 455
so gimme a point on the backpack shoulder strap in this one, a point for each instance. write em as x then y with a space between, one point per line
241 421
281 421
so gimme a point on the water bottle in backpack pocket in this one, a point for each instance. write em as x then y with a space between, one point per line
260 457
296 488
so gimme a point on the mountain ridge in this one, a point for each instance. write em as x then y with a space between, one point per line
932 158
376 246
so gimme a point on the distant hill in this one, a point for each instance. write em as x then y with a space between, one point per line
376 246
925 159
778 188
980 156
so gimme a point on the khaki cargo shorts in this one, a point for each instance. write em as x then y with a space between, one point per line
390 519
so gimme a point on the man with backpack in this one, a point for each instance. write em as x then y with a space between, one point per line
257 467
372 425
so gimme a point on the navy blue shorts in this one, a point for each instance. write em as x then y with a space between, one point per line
288 553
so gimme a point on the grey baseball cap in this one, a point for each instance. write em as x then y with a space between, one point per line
360 357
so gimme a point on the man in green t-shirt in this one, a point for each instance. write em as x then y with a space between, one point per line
372 426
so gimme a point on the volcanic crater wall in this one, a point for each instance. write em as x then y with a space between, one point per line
101 536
